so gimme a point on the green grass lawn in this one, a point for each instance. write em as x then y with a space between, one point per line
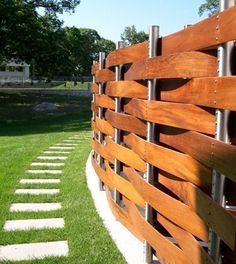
24 135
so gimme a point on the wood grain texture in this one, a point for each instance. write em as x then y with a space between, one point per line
179 115
125 155
169 207
209 151
94 127
215 216
102 150
210 32
95 88
126 122
94 108
166 251
104 126
127 89
176 163
128 54
180 65
104 75
105 101
94 68
216 92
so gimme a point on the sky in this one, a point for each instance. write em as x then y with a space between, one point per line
110 17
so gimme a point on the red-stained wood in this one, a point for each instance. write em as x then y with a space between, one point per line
210 32
215 216
95 88
94 108
209 151
216 92
180 65
126 122
105 101
129 54
104 126
179 115
125 155
176 163
94 68
127 89
174 210
102 150
94 127
104 75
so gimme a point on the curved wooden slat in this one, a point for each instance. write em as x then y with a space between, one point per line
190 246
127 89
179 115
94 127
94 108
95 88
215 216
126 122
210 32
125 155
180 65
128 54
209 151
165 250
219 92
104 75
176 163
102 150
94 68
103 126
171 208
103 100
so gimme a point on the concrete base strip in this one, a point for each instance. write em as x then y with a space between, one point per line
47 164
65 148
37 191
13 225
51 158
56 152
30 251
34 207
35 181
45 171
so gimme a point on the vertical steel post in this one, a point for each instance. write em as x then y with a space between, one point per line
93 101
100 112
153 38
221 133
119 45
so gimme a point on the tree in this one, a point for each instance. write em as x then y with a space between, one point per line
130 35
210 6
104 45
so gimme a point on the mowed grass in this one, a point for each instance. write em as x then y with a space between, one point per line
24 135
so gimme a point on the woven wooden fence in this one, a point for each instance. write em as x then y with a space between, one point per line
174 210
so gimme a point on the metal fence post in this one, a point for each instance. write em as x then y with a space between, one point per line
221 133
100 112
153 38
93 100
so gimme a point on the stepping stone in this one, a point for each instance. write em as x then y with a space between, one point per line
51 158
30 251
48 164
14 225
67 144
45 171
65 148
34 207
37 191
56 152
35 181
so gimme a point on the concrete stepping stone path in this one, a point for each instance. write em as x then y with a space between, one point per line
39 250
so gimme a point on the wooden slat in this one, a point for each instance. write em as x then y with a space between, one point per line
203 34
190 246
126 122
94 88
125 155
102 174
180 65
128 54
94 108
122 216
213 153
216 92
104 75
171 208
94 68
103 126
166 251
176 163
127 89
94 127
215 216
180 115
102 150
103 100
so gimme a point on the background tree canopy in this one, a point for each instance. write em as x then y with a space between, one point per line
131 36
